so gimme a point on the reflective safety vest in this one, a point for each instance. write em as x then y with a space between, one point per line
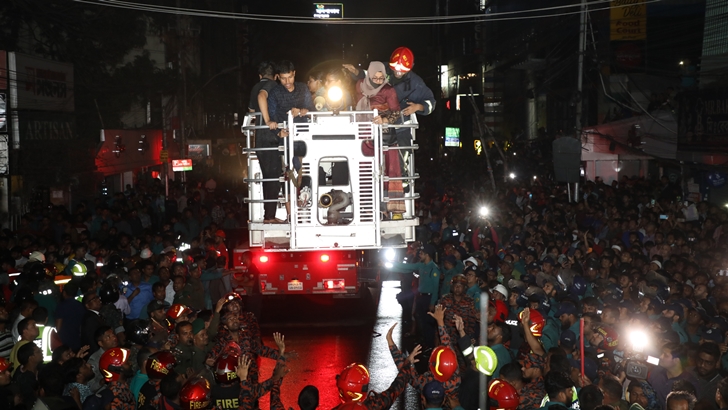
45 341
574 398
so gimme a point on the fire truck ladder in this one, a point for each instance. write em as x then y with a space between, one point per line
341 176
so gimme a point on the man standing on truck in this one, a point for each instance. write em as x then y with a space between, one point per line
427 293
287 96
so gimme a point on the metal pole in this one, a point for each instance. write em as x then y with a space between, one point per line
580 73
568 190
576 192
483 388
482 140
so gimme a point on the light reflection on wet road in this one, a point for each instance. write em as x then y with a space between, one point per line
325 348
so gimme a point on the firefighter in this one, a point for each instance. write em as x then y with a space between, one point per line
353 381
158 365
226 393
501 395
116 368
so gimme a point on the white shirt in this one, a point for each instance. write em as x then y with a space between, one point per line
123 305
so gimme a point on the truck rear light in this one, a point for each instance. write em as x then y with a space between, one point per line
324 258
334 284
263 259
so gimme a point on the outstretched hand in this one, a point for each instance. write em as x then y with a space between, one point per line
459 325
280 342
439 315
390 340
412 358
243 366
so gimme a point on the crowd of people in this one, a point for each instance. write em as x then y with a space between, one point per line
616 301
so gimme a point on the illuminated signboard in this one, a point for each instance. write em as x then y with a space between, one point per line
182 165
328 10
452 137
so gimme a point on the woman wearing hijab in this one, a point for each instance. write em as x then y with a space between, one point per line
375 92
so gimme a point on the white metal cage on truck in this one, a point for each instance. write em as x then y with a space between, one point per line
335 206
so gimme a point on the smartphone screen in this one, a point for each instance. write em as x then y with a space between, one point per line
653 360
663 216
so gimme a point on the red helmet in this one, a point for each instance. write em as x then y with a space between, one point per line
501 310
5 364
402 59
610 337
537 322
443 363
111 362
160 363
225 368
502 395
353 383
176 311
195 394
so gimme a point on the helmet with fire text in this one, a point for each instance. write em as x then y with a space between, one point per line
111 363
610 338
402 59
537 322
195 394
225 366
353 383
160 364
501 310
485 360
443 363
502 395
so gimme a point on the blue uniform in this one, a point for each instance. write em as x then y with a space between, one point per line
429 277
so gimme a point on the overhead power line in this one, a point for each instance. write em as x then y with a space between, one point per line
431 20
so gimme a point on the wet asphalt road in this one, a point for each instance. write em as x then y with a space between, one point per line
328 335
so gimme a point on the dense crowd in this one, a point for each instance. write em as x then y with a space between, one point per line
617 300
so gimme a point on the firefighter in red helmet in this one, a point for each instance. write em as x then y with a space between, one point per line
502 396
158 365
353 381
443 361
115 366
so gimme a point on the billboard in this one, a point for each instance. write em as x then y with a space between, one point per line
328 10
182 164
40 84
628 20
452 137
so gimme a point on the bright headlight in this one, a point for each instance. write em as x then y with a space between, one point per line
389 254
335 94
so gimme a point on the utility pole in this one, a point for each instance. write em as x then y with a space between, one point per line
182 58
580 73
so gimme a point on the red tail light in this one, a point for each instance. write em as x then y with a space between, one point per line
324 258
263 259
334 284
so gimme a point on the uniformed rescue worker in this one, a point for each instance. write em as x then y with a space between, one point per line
429 275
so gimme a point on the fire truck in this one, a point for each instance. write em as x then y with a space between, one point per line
337 206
